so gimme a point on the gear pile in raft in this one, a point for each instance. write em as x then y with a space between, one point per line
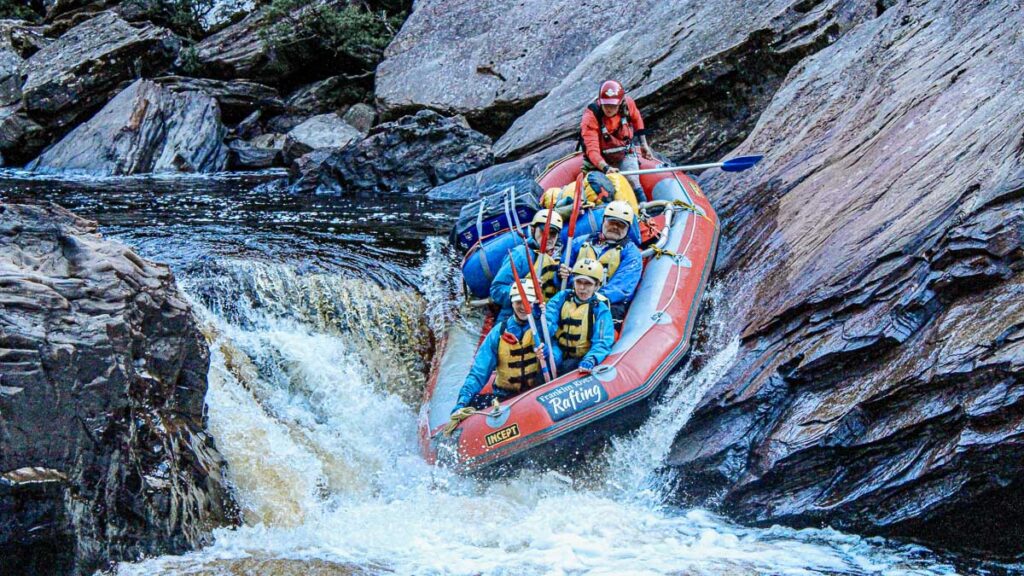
584 290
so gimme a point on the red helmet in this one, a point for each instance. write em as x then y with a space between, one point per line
611 93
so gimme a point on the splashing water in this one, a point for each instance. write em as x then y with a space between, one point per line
324 460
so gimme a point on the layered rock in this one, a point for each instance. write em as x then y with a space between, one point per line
20 137
701 72
263 151
874 267
144 129
499 176
72 77
409 155
237 98
103 454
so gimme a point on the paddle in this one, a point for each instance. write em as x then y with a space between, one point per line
577 195
543 309
529 318
547 231
732 165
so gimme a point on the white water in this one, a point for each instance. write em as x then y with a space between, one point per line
323 455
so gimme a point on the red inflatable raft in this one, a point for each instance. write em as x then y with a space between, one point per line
574 410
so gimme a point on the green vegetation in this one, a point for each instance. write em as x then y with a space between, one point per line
17 9
354 33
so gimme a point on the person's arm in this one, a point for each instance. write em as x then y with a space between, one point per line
590 131
503 280
553 310
622 285
604 337
639 132
483 365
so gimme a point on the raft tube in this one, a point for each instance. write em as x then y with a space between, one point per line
576 410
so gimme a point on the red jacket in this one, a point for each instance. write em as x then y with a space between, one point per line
618 134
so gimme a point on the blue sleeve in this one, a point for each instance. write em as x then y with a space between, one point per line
504 280
483 365
554 311
623 284
604 336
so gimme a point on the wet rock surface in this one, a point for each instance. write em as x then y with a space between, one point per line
103 455
144 129
701 71
874 266
72 77
409 155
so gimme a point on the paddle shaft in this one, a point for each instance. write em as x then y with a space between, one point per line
683 168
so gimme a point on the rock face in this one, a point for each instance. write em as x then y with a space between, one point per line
242 50
701 75
499 176
237 98
874 266
491 60
144 129
411 154
102 380
72 77
322 131
20 137
701 71
263 151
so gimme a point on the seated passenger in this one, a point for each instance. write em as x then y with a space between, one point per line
512 349
580 320
615 251
546 265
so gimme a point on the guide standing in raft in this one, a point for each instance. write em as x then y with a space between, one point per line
610 126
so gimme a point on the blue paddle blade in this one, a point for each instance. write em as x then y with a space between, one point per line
740 164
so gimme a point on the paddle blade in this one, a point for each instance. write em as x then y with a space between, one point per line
740 164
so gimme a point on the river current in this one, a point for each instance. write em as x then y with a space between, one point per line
320 315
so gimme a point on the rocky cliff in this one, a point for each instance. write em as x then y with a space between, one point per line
103 453
874 270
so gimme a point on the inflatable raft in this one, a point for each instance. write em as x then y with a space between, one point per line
574 410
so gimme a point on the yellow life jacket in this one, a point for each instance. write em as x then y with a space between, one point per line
518 368
610 259
547 269
575 327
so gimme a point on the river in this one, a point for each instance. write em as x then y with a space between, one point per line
320 314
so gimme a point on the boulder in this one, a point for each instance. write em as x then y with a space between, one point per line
323 131
103 451
874 270
409 155
144 129
237 98
328 95
262 151
20 137
701 74
360 116
70 78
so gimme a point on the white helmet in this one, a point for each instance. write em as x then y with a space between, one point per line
513 292
619 210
